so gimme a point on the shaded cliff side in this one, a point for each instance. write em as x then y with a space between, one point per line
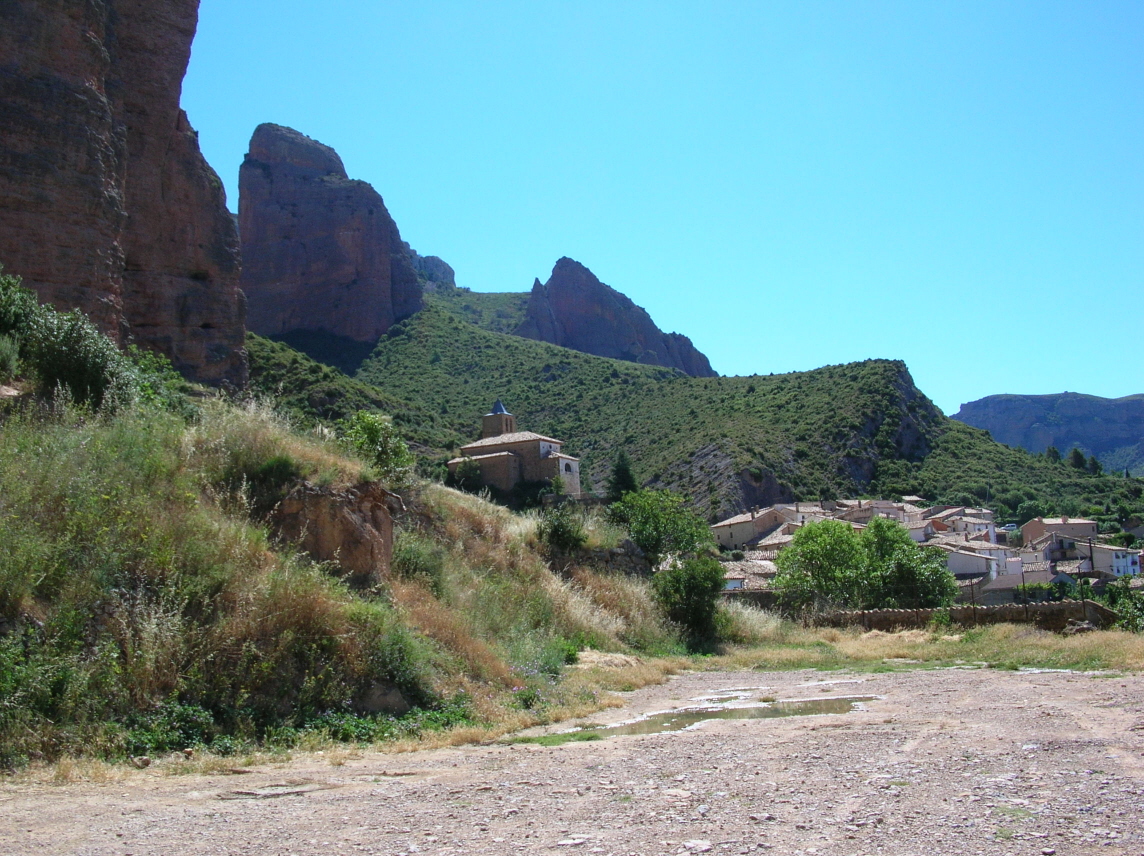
575 310
320 251
106 203
1112 429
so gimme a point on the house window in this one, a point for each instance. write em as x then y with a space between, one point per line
567 468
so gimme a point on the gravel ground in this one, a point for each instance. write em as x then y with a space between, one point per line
945 761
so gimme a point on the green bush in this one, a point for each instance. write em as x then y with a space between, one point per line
829 565
9 358
562 528
17 305
689 592
373 436
416 557
66 352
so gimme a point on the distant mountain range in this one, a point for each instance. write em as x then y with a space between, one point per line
1112 429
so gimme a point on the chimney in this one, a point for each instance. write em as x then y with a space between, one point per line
754 511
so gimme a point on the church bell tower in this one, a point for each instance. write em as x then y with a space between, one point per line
498 421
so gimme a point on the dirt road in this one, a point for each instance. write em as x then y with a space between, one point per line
939 762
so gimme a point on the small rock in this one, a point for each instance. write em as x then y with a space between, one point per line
188 754
697 845
1048 851
141 761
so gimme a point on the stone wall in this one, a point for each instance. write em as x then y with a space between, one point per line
1047 616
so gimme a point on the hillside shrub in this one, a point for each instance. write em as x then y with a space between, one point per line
66 352
416 557
17 305
561 528
9 358
373 436
688 592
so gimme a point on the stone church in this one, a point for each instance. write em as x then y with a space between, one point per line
508 457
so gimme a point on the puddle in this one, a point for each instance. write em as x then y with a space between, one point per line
678 720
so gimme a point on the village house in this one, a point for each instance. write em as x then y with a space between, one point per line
507 457
1108 561
1074 527
967 536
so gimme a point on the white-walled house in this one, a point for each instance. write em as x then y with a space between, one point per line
1109 560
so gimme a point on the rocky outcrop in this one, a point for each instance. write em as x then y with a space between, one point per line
1112 429
352 528
432 269
575 310
320 251
106 203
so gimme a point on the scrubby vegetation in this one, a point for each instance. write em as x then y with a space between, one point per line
497 312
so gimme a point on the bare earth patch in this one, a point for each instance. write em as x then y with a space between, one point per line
940 762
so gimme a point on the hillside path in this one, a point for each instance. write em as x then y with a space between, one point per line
939 762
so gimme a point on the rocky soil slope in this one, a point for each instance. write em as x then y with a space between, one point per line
320 251
575 310
1110 428
106 203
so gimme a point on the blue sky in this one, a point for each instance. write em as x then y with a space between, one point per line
958 185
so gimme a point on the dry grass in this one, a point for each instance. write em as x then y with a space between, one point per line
255 432
629 602
1002 645
451 630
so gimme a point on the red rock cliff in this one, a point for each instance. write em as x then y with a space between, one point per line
106 203
575 310
320 251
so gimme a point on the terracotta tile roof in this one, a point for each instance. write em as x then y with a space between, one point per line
731 521
506 439
482 457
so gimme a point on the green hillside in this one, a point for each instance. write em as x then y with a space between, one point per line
726 443
722 441
500 312
310 392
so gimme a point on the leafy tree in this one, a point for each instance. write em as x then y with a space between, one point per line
688 592
660 523
1053 454
900 574
622 480
374 437
1032 508
829 564
1094 466
1077 460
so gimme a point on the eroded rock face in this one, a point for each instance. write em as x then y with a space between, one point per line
575 310
353 528
106 203
320 251
1112 429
